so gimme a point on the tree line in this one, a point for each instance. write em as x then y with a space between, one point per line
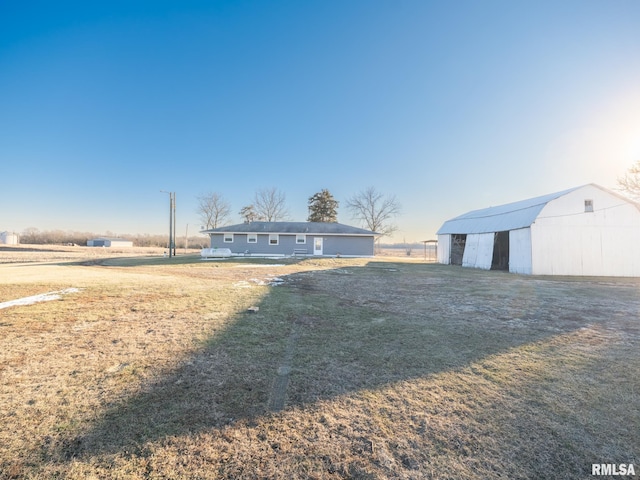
34 236
372 209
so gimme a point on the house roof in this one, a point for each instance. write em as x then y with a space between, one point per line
310 228
510 216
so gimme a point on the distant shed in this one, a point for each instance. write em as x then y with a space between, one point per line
586 230
109 242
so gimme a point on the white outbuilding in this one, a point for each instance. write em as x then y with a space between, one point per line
586 230
109 242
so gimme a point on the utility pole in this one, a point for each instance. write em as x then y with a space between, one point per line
172 222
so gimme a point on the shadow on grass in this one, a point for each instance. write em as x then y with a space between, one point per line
189 259
30 249
327 333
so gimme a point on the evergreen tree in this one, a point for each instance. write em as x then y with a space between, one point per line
323 207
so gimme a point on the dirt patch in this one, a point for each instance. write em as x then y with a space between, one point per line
65 253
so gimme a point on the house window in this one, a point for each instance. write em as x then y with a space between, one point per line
273 239
588 205
252 238
228 238
300 239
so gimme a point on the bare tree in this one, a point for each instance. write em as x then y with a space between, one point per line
213 209
249 214
269 203
630 183
374 210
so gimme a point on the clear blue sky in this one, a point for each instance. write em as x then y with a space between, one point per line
451 106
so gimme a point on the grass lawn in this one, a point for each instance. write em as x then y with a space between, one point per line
351 368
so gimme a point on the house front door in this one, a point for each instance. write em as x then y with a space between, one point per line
317 246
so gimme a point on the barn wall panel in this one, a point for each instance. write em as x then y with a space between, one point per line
444 249
520 251
478 252
569 241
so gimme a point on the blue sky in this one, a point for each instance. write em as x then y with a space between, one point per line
450 106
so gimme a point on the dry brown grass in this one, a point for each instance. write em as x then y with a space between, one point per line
392 370
50 253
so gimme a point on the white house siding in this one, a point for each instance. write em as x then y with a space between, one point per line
478 251
520 251
569 241
444 249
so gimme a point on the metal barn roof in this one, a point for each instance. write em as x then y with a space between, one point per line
501 218
310 228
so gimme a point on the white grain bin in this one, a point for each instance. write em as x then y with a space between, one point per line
7 238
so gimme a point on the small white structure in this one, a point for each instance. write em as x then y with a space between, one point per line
586 230
7 238
109 242
215 253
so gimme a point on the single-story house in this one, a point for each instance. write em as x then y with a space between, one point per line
7 238
293 238
109 242
587 230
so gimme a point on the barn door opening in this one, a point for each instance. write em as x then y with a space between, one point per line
458 242
500 251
